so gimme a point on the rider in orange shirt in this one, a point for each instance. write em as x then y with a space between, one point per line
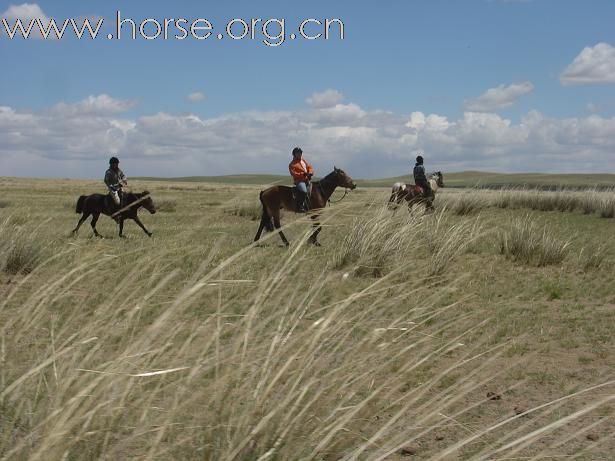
302 173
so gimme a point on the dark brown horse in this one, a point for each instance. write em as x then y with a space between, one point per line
414 195
281 197
96 204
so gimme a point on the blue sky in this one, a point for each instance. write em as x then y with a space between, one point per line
478 84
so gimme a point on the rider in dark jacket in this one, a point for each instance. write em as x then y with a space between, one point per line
114 180
420 179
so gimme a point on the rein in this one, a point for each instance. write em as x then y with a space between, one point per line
323 191
343 197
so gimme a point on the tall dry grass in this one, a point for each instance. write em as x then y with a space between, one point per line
117 352
148 364
381 241
467 202
526 242
246 208
21 250
589 201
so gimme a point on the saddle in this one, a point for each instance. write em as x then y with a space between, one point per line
309 191
413 189
416 189
111 205
307 196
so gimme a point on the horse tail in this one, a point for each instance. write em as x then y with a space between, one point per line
265 218
80 204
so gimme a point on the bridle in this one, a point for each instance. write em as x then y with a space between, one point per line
343 197
336 185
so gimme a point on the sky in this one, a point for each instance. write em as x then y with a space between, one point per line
491 85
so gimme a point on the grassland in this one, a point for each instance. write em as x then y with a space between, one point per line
480 331
465 179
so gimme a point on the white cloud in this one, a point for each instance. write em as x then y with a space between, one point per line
498 98
592 108
197 96
325 99
33 19
25 12
77 139
594 65
338 115
432 122
94 105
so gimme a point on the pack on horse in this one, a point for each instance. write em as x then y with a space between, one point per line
96 204
277 198
414 194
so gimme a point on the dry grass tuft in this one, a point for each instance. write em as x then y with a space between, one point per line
606 207
525 242
447 240
250 209
593 259
19 252
468 202
379 240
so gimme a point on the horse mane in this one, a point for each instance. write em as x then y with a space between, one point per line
141 194
326 178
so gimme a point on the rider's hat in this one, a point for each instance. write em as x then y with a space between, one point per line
297 150
419 159
113 160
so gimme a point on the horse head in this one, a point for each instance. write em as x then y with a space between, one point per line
147 202
342 179
438 177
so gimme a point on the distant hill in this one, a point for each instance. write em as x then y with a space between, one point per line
462 179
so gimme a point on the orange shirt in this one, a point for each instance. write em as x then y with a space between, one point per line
299 169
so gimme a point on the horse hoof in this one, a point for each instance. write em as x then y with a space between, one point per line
149 234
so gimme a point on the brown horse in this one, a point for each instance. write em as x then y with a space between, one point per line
413 195
96 204
276 198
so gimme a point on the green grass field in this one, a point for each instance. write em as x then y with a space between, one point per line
461 179
481 331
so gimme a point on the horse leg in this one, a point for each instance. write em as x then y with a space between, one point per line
84 216
93 224
260 229
276 223
120 221
392 200
314 237
138 221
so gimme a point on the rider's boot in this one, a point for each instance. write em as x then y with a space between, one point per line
300 199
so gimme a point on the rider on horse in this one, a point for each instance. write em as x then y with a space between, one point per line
114 179
420 179
302 173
